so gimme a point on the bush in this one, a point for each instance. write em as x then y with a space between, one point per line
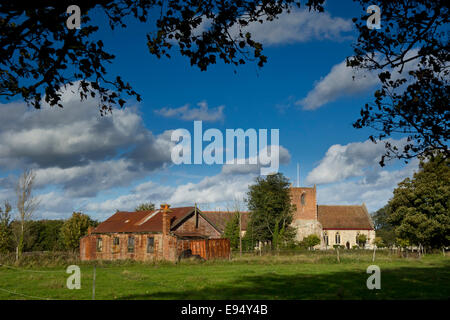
310 241
361 240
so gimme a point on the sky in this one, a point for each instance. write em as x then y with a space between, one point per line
97 165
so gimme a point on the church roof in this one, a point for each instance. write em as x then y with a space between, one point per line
344 217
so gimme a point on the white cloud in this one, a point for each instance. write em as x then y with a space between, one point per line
218 190
300 25
344 81
351 174
350 160
144 192
340 81
247 167
77 149
375 193
188 114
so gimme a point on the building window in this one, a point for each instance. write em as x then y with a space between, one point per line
325 238
130 244
150 244
115 245
338 238
99 244
302 199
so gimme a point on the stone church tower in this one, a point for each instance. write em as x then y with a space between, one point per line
305 216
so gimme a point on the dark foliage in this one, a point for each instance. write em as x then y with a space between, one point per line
415 102
269 202
45 235
39 54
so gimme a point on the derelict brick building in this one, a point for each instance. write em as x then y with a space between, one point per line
162 234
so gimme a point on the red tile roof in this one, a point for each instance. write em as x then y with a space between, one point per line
220 218
344 217
141 221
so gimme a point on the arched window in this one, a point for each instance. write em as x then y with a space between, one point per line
338 238
325 238
302 199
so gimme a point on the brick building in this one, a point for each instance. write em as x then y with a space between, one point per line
162 234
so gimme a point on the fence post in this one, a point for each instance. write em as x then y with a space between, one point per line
337 252
93 285
374 249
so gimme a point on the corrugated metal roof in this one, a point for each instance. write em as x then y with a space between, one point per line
140 221
344 217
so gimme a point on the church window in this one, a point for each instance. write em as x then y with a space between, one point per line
302 199
325 238
338 238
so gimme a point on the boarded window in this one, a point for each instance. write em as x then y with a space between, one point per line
150 244
115 247
99 244
130 244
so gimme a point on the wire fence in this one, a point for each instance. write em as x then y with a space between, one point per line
235 256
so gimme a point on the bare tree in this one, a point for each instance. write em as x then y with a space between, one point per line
26 206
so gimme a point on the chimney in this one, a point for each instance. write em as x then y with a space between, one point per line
165 219
90 229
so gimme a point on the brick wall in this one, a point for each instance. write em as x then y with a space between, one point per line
110 251
308 210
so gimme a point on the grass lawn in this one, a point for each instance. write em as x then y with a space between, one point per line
303 276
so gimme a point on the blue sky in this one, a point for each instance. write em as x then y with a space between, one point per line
97 165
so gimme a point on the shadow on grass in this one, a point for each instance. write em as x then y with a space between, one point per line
396 283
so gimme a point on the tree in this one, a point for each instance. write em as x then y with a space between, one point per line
46 235
269 201
410 54
361 240
311 241
378 242
420 207
231 231
383 227
26 206
40 54
5 228
148 206
74 228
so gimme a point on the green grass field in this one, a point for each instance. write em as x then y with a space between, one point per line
301 276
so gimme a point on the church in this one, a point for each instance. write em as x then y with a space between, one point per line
333 224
